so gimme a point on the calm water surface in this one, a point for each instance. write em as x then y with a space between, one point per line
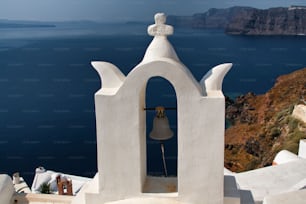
47 87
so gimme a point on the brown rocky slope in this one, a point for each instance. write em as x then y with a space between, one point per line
262 125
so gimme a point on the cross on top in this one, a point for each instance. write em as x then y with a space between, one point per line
160 28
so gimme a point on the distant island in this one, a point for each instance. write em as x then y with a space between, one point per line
248 20
23 24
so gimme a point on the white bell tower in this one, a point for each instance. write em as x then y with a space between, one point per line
121 130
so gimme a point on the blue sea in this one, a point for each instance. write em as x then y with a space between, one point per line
47 86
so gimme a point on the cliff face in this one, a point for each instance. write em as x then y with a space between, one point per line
213 18
248 21
274 21
217 18
263 125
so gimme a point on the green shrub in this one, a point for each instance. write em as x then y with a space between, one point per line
45 188
252 164
275 132
292 124
292 144
285 112
291 108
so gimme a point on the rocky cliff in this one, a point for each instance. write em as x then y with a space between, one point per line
213 18
248 21
274 21
263 125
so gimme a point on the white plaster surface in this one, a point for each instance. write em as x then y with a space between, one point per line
228 172
212 81
22 187
6 189
298 186
273 180
295 197
299 112
90 187
302 149
111 77
284 156
121 129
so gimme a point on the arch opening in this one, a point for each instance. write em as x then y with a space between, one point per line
160 92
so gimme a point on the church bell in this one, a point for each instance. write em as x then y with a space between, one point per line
161 128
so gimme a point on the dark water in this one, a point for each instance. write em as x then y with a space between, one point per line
47 87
